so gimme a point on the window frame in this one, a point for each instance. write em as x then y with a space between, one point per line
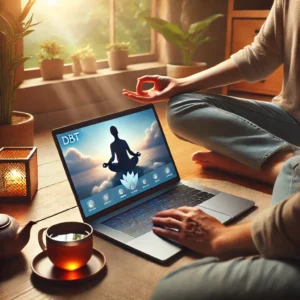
103 63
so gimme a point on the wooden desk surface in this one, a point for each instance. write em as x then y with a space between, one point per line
128 276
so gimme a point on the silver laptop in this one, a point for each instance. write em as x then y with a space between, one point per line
122 173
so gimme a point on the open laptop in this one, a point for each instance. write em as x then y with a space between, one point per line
122 173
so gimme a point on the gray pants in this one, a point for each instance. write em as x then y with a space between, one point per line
249 132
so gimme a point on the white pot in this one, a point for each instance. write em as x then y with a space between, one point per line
117 60
76 67
180 71
52 69
20 133
88 65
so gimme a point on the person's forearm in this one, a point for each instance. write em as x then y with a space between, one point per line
222 74
235 241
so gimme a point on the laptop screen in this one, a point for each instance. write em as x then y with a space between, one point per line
114 160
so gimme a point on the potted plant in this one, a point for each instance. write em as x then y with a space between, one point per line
87 60
76 67
50 60
187 37
117 54
16 128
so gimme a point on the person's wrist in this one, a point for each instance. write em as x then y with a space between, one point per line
220 242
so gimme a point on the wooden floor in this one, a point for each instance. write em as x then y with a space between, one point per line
55 202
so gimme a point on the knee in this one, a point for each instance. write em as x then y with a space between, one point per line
287 181
180 106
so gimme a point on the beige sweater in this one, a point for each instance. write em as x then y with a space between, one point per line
277 43
276 232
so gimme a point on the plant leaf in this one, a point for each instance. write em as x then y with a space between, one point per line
11 20
200 39
16 62
6 27
26 10
23 34
202 25
171 32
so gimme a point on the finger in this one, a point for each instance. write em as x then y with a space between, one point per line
142 80
172 213
168 234
187 209
136 97
127 91
167 222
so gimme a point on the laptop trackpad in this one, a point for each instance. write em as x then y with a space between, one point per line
219 216
154 246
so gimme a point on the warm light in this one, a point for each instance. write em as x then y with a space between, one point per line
13 177
52 2
71 266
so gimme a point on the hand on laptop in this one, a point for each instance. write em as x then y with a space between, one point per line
196 230
163 88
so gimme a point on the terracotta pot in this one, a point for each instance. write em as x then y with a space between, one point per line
117 60
179 71
20 133
88 65
52 69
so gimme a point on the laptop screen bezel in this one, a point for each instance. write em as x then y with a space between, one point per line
94 121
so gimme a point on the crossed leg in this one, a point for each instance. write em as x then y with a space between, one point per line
246 137
268 172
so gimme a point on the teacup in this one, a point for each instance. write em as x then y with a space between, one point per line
69 245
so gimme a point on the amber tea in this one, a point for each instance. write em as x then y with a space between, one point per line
69 245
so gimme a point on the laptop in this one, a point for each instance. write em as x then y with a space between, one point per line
122 173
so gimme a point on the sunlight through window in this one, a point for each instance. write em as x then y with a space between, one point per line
74 24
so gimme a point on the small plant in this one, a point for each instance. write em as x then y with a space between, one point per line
187 37
86 52
50 50
12 29
118 46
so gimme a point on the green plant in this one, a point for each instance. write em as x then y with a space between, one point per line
117 46
12 29
187 37
50 50
86 52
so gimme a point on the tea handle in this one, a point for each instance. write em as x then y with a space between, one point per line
40 238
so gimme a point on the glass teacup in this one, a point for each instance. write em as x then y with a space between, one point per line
69 245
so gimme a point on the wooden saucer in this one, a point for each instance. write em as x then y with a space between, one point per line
43 268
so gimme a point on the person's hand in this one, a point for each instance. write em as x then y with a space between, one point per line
163 88
105 165
138 154
194 229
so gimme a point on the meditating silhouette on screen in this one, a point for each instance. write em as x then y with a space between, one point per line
120 148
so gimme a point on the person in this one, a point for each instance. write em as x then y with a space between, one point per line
120 148
256 139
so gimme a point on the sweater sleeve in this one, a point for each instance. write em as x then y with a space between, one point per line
265 54
275 231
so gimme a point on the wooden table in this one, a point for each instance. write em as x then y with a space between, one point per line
127 276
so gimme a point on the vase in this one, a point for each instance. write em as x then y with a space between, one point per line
76 67
52 69
20 133
88 65
118 60
180 71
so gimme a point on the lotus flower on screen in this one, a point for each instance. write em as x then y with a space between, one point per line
130 180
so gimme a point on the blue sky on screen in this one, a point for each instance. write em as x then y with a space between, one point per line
95 140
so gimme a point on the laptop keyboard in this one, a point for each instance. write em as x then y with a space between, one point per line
138 220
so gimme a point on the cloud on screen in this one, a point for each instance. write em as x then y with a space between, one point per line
77 162
153 137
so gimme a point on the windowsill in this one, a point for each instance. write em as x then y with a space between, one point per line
30 83
78 98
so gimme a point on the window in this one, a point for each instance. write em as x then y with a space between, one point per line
95 22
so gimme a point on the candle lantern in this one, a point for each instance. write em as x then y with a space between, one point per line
18 173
